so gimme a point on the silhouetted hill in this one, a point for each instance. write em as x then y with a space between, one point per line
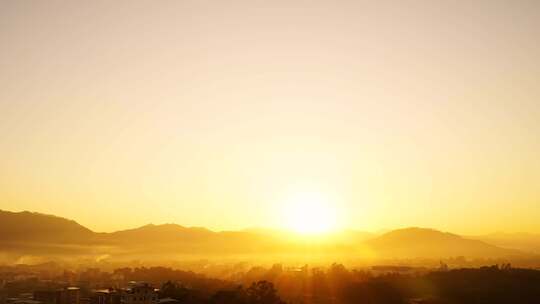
36 227
165 233
172 238
429 243
34 233
528 242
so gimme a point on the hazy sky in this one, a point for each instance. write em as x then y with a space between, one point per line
216 113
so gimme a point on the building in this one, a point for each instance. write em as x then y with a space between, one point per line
21 301
139 293
169 301
68 295
105 296
46 296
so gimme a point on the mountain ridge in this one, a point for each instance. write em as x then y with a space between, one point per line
404 243
40 231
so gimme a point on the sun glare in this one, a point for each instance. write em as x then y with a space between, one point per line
310 213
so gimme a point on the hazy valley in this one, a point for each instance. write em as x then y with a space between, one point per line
27 236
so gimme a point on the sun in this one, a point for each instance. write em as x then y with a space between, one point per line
310 213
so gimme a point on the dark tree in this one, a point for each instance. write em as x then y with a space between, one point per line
262 292
234 296
373 292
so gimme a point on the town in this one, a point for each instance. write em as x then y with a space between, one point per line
33 289
46 284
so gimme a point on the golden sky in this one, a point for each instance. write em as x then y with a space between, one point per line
218 113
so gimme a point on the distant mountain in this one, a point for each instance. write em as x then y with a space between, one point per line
527 242
172 238
36 227
165 233
40 234
36 234
429 243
